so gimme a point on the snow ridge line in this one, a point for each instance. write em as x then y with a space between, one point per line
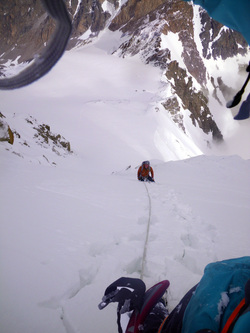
147 234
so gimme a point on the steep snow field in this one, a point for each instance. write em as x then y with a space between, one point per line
73 223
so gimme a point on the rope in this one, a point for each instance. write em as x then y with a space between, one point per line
147 235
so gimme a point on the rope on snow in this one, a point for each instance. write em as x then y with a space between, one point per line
147 234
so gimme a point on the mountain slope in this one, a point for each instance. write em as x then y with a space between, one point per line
193 52
74 221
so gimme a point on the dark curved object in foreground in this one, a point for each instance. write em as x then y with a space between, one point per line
43 63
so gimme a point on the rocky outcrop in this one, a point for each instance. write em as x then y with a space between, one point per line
171 16
44 137
134 10
88 16
219 41
6 133
146 33
195 102
25 28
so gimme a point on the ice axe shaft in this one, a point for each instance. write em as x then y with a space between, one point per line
237 97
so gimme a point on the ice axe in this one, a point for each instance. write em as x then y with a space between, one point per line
237 97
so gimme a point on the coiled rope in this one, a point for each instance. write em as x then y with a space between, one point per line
147 235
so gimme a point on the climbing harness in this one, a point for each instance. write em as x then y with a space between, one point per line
44 62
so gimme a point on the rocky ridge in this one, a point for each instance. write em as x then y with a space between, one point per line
147 25
50 143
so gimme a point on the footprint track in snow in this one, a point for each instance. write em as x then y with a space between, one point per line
196 237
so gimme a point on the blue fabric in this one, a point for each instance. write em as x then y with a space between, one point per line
235 14
219 292
173 323
243 324
244 111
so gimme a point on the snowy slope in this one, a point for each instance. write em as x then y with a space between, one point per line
71 223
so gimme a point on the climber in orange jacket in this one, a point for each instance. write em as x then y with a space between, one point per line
144 171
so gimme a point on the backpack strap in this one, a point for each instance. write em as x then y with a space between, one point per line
162 324
234 316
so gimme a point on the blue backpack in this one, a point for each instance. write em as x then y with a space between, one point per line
220 303
223 290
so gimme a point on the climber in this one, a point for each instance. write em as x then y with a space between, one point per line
219 303
143 172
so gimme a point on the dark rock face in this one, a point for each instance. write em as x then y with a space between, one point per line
224 42
90 15
133 11
170 17
6 133
195 102
25 28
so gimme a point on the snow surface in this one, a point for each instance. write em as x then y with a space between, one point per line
73 223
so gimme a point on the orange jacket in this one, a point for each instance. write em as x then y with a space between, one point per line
145 172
